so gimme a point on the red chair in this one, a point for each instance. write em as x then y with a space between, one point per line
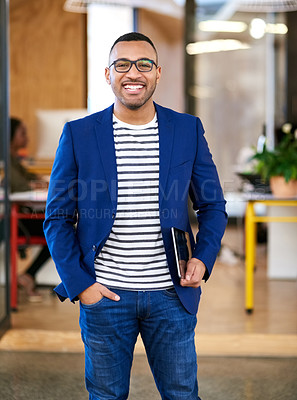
15 242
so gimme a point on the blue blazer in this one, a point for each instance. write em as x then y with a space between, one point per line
82 197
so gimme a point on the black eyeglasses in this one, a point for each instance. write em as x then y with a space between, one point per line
142 65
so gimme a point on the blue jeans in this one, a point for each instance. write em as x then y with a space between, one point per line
109 332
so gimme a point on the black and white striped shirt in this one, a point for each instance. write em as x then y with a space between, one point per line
133 256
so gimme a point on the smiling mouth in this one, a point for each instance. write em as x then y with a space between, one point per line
133 88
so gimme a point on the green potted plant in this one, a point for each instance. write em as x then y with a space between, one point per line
279 165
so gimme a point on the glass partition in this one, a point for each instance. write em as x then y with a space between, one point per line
4 127
239 78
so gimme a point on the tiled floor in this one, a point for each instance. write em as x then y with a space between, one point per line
39 376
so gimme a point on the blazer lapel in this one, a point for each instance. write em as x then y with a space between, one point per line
105 140
166 135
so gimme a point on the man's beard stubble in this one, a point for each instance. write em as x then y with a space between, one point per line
135 106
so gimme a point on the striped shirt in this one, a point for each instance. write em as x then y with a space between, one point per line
133 256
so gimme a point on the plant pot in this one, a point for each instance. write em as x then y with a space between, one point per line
282 189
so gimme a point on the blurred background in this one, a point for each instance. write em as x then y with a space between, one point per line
233 63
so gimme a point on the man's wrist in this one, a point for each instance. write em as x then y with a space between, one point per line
206 273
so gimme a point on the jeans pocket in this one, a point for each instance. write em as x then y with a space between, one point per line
171 292
92 305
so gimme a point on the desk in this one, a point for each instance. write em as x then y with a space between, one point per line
39 167
251 219
35 200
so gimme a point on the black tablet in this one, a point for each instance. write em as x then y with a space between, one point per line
182 249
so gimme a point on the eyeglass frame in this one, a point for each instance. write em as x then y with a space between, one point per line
133 63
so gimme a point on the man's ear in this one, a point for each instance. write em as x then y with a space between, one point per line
159 71
107 75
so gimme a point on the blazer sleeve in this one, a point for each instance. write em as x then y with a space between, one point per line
208 202
61 217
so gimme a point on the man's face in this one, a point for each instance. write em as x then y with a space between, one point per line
133 88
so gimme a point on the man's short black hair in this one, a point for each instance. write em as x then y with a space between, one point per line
134 36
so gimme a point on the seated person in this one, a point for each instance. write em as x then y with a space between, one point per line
21 180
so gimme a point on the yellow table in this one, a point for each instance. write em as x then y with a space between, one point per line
39 167
251 219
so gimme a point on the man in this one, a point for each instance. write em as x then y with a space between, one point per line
122 177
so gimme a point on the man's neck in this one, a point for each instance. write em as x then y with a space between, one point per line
140 116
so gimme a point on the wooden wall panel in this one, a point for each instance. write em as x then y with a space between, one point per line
47 60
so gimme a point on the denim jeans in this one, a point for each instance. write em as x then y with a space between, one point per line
109 331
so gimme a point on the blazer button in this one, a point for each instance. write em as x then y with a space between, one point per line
94 247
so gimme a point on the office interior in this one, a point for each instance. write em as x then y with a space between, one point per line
239 77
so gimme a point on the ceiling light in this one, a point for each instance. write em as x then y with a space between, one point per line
222 26
267 5
278 29
214 46
257 28
167 7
